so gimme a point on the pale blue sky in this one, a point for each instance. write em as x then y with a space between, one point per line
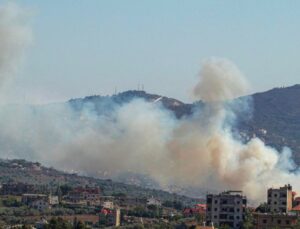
90 47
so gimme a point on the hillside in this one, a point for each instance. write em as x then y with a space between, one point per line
49 178
275 116
275 119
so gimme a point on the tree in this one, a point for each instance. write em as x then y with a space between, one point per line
248 221
263 208
64 189
58 223
80 225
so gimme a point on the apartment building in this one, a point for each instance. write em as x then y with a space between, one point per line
226 208
280 199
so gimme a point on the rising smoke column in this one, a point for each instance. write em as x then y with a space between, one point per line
206 153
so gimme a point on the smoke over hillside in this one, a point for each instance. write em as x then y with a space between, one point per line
143 137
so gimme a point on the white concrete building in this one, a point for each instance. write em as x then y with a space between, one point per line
280 199
226 208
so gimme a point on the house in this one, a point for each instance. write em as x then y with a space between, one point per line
87 194
274 220
226 208
296 210
296 201
280 199
197 210
40 204
39 201
153 201
53 200
108 205
109 217
16 188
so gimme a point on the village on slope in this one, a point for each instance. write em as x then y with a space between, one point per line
87 207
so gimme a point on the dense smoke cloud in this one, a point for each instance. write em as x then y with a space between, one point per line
143 137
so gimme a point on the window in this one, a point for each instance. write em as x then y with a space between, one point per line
275 202
237 217
215 216
279 221
264 221
224 201
275 195
287 222
216 201
216 209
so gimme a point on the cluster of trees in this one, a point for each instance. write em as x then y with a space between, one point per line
11 202
151 211
59 223
173 204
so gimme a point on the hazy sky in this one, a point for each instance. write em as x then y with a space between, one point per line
90 47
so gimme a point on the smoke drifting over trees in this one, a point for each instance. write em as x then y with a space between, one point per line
143 137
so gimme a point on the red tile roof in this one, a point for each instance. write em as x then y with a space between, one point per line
297 208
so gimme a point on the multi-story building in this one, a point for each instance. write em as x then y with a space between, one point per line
226 208
85 194
17 188
280 199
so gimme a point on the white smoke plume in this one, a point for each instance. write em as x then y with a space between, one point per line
139 136
15 36
145 138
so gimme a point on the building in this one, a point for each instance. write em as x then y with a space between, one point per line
272 220
296 201
153 201
37 201
197 210
108 204
109 217
280 199
87 194
40 204
17 188
226 208
53 200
